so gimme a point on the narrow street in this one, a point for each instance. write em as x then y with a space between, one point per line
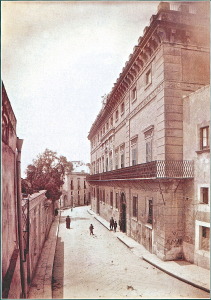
100 266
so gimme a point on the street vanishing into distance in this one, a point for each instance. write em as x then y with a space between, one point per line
100 266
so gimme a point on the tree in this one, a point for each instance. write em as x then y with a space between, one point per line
47 173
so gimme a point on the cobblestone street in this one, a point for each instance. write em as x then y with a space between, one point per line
100 266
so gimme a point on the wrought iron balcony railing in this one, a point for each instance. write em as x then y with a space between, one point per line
154 169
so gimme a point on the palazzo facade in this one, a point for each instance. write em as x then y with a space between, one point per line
141 170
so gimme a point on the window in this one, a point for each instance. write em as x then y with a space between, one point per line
106 164
134 151
79 184
122 108
117 115
133 94
103 164
104 196
148 151
110 161
116 202
111 121
205 238
5 128
204 195
116 159
111 199
98 137
148 134
122 156
94 192
107 126
204 135
150 211
148 77
104 130
71 184
135 206
84 184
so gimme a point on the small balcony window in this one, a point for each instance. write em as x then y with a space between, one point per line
133 94
117 115
204 195
122 108
148 77
204 136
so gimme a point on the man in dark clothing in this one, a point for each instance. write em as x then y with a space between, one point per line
68 222
111 223
91 227
115 226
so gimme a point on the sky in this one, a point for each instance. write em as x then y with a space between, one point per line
58 59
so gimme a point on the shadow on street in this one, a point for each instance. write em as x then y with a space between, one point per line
58 271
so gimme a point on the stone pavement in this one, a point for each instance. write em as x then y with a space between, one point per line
182 270
41 286
99 266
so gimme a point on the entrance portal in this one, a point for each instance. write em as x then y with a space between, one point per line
122 217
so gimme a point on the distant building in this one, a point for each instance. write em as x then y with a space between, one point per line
145 171
75 190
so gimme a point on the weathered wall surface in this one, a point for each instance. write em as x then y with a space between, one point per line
10 241
196 116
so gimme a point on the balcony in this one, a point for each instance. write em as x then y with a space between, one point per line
158 169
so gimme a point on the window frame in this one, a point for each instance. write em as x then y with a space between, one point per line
202 147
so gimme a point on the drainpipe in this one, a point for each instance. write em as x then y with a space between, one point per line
19 209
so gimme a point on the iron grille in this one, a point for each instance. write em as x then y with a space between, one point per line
154 169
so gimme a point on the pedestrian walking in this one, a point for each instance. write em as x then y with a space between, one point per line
115 225
91 227
68 220
111 223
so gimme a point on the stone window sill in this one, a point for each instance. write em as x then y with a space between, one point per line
134 100
146 87
203 151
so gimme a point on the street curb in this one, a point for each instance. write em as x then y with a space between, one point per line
102 223
178 277
129 247
90 212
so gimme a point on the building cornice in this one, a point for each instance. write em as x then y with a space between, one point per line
165 27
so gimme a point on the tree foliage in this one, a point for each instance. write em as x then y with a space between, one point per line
47 173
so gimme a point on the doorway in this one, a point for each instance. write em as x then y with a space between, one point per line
98 201
122 216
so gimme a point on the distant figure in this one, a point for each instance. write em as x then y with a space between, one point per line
68 222
111 223
71 208
120 225
115 225
56 212
91 227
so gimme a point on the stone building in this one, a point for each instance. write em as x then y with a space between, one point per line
12 284
75 190
139 168
196 122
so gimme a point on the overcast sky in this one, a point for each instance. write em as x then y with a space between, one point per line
58 60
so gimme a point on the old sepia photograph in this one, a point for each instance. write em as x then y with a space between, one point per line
105 149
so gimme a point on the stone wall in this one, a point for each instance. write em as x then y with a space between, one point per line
10 240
